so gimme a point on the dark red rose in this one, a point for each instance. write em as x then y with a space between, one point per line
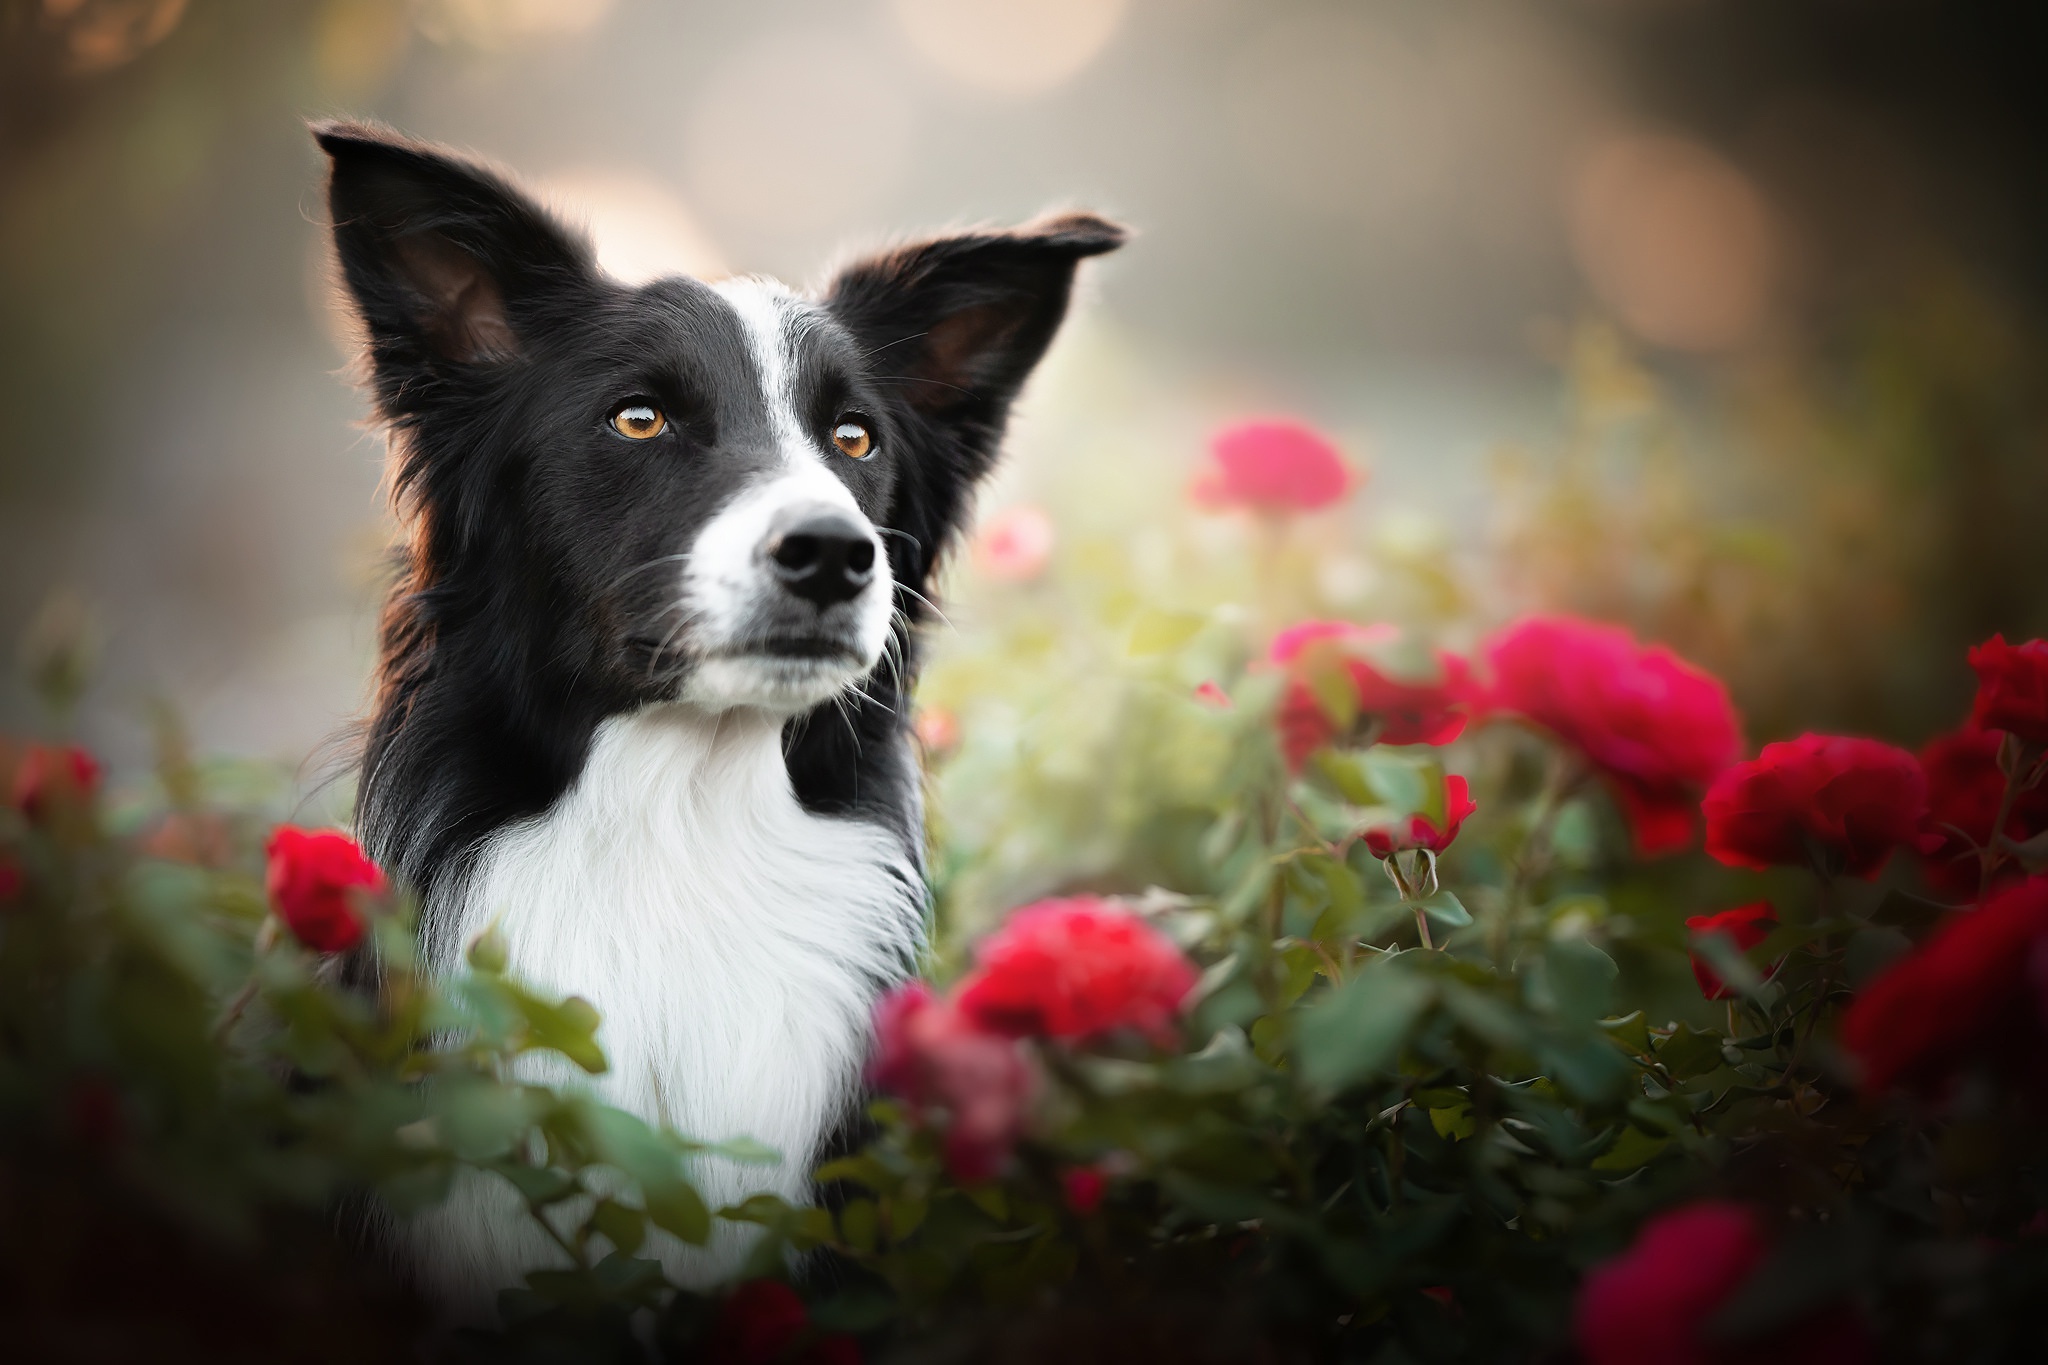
1655 727
1431 711
2012 688
316 879
1273 467
1076 969
1964 788
1651 1305
1082 1187
1848 802
12 879
1969 991
937 1061
764 1322
53 775
1748 925
1418 831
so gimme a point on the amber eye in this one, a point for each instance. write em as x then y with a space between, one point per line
853 439
639 422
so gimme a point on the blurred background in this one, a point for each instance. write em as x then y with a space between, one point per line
1722 319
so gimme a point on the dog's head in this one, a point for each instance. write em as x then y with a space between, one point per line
702 492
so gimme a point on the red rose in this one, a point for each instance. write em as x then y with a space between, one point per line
1651 1304
1082 1187
2012 688
52 775
1748 925
1964 789
1387 840
1274 467
931 1057
1654 725
314 879
763 1322
1847 801
1431 712
1971 988
1076 969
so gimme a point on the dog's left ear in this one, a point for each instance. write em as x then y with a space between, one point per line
959 322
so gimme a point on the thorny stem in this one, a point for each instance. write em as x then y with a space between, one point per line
266 938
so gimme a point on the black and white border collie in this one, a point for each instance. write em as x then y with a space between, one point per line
643 688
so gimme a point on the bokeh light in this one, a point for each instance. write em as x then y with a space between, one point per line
1676 240
1009 47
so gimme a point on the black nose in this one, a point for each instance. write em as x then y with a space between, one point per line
824 557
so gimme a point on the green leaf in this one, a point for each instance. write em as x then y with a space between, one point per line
538 1185
677 1208
1631 1030
1686 1054
488 952
1454 1122
1481 1014
1444 909
858 1225
991 1200
1403 782
1346 774
1358 1029
624 1228
1580 978
906 1216
569 1028
479 1120
858 1169
1591 1068
1631 1151
622 1275
744 1150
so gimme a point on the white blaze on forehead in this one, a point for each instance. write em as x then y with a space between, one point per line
774 321
724 580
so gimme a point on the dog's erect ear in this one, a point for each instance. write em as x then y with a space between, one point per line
445 261
963 319
959 322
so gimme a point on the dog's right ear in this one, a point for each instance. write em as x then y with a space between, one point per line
446 263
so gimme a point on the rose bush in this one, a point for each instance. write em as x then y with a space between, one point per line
1653 726
1390 1046
1334 689
2012 688
1842 803
1965 791
1275 467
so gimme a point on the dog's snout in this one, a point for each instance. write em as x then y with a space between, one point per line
824 557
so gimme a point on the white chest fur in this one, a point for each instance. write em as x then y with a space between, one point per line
732 942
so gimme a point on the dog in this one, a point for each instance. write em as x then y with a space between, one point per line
643 682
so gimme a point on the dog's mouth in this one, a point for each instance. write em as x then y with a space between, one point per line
827 649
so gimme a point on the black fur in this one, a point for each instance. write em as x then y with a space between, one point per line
531 604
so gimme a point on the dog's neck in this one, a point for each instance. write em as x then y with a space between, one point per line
733 941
